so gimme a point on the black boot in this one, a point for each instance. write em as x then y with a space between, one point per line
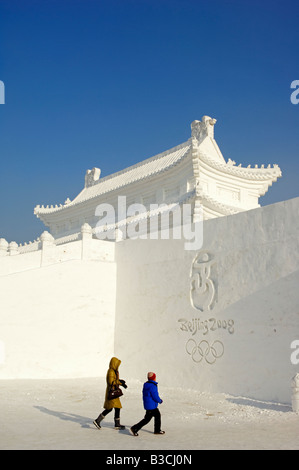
118 425
97 421
134 431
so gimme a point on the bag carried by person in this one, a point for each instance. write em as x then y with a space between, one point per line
114 392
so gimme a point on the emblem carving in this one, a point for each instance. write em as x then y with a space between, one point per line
202 287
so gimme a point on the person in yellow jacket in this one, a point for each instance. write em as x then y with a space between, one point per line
112 379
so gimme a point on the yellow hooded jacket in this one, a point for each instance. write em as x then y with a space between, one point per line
112 378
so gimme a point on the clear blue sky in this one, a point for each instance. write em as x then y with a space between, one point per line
108 83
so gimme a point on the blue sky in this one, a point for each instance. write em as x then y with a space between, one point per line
108 83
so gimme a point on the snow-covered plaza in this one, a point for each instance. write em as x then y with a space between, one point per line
58 414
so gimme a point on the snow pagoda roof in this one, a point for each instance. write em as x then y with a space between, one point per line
146 169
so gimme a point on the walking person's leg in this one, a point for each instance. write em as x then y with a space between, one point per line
100 418
117 419
148 416
157 423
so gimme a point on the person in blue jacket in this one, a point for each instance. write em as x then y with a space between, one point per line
151 401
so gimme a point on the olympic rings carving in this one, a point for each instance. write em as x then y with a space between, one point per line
204 350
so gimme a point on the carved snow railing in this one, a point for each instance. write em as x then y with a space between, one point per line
45 240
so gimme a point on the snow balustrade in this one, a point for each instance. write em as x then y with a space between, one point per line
47 250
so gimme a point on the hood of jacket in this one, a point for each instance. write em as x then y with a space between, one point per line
114 363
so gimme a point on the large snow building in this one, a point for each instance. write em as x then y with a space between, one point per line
194 171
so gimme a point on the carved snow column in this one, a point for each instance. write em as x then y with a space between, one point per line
86 236
295 393
13 249
3 247
47 245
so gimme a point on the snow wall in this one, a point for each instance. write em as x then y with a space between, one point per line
57 311
219 319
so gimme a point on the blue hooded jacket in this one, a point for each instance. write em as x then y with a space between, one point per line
150 395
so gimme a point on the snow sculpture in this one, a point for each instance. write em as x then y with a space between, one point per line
295 393
3 247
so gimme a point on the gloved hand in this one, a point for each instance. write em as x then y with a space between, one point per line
123 383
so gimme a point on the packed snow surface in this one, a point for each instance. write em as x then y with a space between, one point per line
58 414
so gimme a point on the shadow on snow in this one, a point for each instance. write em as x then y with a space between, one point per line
84 421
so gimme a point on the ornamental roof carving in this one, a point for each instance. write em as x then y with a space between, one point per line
145 169
256 173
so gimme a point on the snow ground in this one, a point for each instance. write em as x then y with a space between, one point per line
58 415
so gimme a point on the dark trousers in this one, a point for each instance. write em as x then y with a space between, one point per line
148 416
116 412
